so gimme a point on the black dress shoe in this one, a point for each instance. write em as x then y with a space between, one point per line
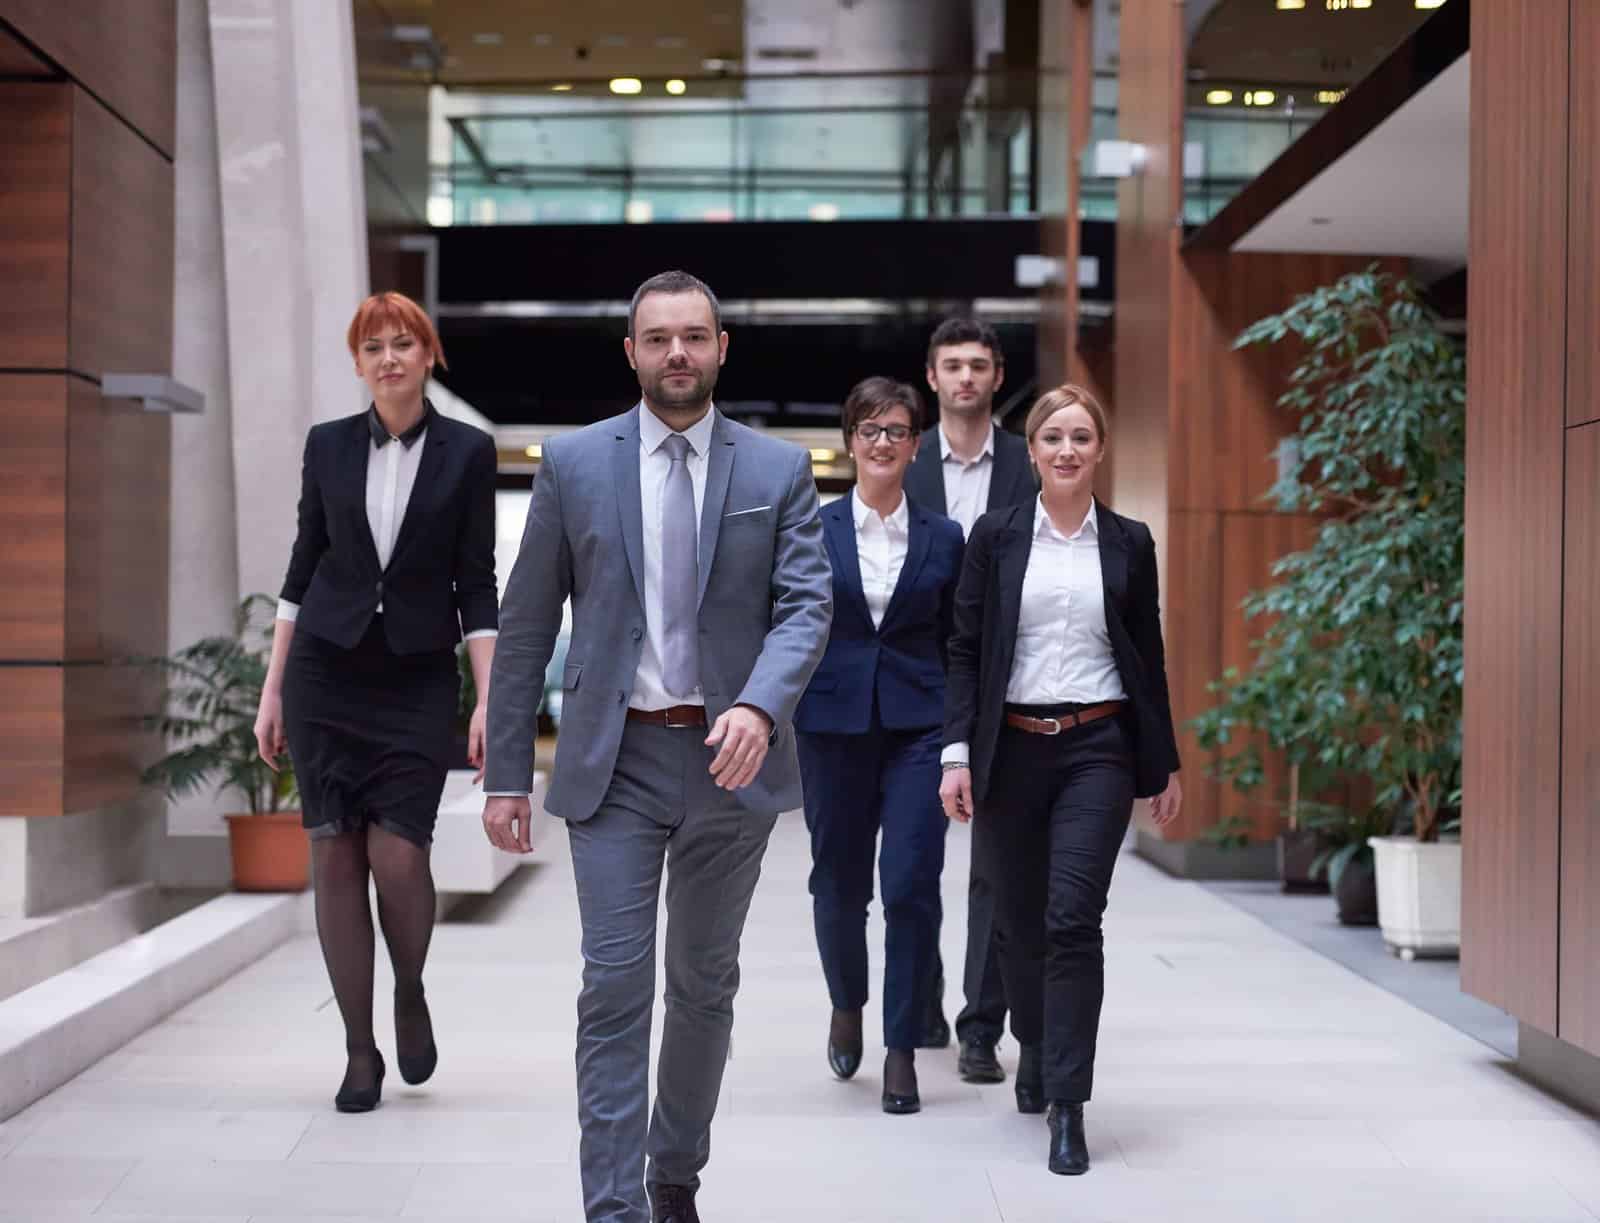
976 1063
935 1028
1030 1081
411 1017
844 1043
672 1204
1069 1148
362 1099
900 1096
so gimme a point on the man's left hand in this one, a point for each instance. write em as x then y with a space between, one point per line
743 733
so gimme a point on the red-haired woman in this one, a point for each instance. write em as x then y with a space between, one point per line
393 564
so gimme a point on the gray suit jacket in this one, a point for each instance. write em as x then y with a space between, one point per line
766 602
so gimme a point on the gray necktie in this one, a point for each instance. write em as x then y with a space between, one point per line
680 574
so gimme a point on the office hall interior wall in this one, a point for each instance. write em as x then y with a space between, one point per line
1196 429
86 246
1531 806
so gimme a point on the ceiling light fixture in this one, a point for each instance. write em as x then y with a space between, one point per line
489 40
627 85
1430 3
1260 97
1287 5
676 87
1219 97
563 87
1327 97
823 212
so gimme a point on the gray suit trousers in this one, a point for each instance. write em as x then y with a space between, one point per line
662 812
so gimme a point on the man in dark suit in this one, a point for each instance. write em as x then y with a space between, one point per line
967 465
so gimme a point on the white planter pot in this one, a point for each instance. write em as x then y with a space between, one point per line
1419 895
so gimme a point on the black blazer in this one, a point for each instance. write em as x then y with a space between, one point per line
895 669
988 606
1010 483
439 582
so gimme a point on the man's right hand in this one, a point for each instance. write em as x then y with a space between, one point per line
506 820
955 794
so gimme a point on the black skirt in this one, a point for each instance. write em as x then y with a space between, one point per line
370 732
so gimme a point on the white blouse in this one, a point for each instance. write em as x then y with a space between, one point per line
881 545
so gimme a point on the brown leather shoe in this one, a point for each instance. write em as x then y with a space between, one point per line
672 1204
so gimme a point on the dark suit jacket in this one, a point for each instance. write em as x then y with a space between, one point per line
439 582
900 662
988 606
1011 482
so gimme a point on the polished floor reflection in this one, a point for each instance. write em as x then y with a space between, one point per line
1242 1077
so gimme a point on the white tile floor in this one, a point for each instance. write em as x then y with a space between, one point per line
1242 1077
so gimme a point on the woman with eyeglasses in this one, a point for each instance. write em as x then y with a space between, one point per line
869 736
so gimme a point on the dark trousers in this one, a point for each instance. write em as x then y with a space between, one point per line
856 785
1048 835
983 1018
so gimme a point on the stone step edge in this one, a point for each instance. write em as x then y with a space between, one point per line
55 1030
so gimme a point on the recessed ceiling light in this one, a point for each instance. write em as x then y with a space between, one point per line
543 40
614 40
672 42
489 40
564 87
718 64
1430 3
411 33
676 87
1219 97
626 84
823 212
1286 5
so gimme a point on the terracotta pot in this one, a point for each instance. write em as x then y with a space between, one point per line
271 853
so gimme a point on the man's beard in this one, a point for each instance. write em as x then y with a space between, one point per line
682 397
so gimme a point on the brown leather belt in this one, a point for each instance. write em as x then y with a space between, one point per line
1054 726
673 717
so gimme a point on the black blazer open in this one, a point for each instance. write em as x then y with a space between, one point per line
440 580
1010 483
988 606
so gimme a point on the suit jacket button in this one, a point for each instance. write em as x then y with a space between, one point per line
638 633
621 696
380 590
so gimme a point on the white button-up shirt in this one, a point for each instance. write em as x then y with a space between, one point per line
649 688
881 550
391 479
1063 652
966 483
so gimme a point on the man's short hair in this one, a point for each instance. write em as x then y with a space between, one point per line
964 331
674 282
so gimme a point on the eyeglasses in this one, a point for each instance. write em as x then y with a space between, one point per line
869 432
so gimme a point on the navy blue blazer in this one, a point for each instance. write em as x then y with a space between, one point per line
900 663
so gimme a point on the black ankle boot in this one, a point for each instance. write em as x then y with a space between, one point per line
1030 1081
844 1043
417 1053
1069 1148
361 1098
900 1095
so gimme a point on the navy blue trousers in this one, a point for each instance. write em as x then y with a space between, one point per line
855 786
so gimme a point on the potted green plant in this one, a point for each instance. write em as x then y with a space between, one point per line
1359 667
208 714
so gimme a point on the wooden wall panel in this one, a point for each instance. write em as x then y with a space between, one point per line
1189 601
32 732
1583 230
1251 545
1580 747
126 54
1515 395
35 187
17 60
122 247
33 506
105 747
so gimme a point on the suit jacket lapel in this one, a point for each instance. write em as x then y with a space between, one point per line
625 470
428 469
1113 560
1010 466
919 542
719 470
839 528
358 455
1013 547
929 469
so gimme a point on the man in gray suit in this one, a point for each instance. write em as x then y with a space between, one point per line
675 628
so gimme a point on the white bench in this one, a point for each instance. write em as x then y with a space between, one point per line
463 859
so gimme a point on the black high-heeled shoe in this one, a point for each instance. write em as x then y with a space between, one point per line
416 1068
844 1043
900 1095
361 1099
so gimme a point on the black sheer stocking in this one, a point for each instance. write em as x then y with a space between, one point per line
406 900
344 927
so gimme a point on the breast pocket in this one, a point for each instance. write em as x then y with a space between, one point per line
570 675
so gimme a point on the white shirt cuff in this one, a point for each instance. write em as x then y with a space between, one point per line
956 753
288 611
481 632
506 794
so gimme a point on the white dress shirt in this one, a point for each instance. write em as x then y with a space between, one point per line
881 550
649 688
966 482
391 477
1063 653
